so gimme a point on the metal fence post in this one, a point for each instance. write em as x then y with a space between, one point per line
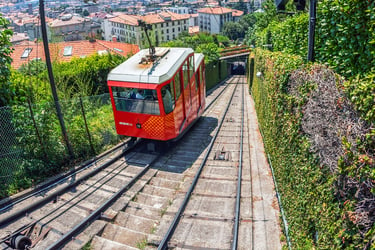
312 22
52 80
37 130
87 129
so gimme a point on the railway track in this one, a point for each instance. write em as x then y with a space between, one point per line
198 223
132 199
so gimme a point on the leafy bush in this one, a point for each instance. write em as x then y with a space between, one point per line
361 91
5 60
201 42
346 36
290 36
79 77
36 148
323 155
85 76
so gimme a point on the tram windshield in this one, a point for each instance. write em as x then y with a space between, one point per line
144 101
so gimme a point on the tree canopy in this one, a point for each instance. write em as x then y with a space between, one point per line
5 60
202 42
233 30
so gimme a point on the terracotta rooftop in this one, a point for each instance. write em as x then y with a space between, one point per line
28 51
193 30
237 13
215 10
150 18
72 21
18 37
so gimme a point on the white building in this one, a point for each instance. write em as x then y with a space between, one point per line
179 10
212 19
165 25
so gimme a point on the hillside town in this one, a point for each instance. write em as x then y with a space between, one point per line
113 25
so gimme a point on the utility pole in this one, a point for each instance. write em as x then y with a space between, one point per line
312 22
51 78
300 5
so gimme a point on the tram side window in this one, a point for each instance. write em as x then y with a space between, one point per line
168 100
177 85
171 89
191 67
136 100
185 70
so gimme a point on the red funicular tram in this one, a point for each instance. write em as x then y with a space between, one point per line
158 96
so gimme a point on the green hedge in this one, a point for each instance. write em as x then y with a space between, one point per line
345 35
322 205
215 72
290 36
79 77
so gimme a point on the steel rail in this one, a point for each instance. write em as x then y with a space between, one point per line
10 202
119 169
95 214
216 97
25 210
239 180
67 237
172 227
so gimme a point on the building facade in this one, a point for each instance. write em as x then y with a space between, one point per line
212 19
70 28
165 26
27 24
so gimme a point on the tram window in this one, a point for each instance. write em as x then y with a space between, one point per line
177 85
191 67
171 89
168 101
185 74
144 101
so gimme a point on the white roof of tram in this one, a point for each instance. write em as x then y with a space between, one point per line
163 68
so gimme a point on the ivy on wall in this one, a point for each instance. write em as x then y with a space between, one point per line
345 35
321 150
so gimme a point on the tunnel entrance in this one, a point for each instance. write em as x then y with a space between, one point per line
238 68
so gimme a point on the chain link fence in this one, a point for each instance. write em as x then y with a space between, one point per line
31 142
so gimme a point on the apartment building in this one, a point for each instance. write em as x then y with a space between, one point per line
212 19
165 25
71 28
27 24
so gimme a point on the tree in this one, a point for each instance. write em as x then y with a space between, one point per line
5 61
210 51
262 20
233 30
241 5
247 21
85 12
